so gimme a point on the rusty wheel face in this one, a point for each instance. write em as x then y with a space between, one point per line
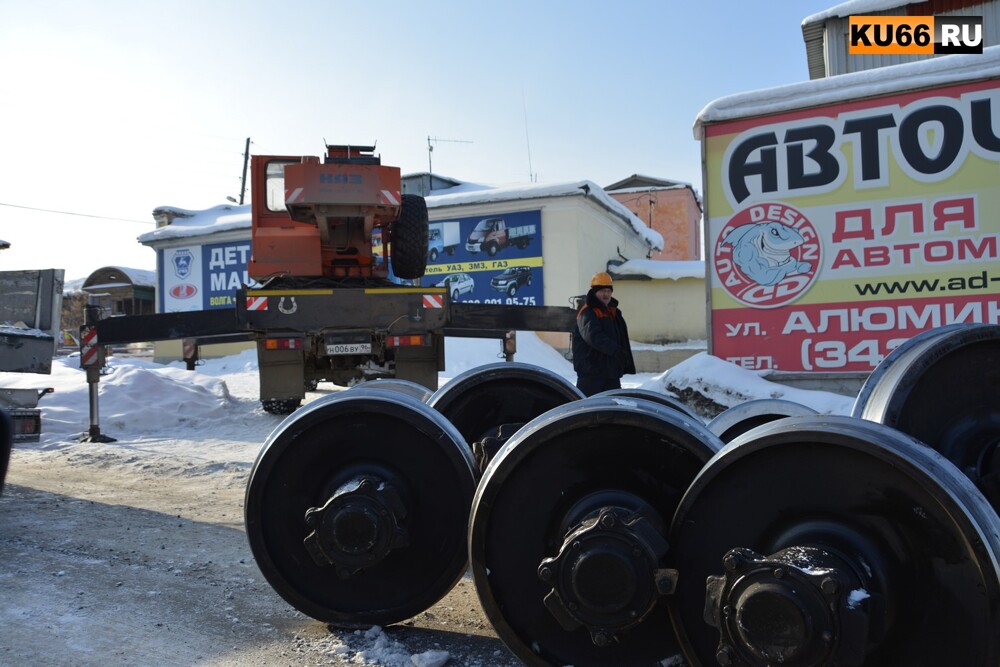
944 390
567 531
739 419
833 540
478 401
357 507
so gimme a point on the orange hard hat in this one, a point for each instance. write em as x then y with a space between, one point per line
601 279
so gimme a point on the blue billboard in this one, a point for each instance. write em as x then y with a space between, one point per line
488 258
202 277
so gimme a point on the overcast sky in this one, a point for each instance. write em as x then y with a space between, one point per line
112 108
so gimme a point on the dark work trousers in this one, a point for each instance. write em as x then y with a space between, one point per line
590 385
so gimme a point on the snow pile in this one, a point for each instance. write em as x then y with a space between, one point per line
727 385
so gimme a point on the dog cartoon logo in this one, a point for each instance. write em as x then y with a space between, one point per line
767 255
763 251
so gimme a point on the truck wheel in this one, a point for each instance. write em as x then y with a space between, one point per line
433 254
491 249
408 252
280 406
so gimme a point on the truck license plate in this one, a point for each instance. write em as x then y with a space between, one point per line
348 348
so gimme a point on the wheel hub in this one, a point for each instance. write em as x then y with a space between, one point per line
794 607
606 576
361 523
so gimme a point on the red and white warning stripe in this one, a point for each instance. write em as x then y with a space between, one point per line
390 197
433 301
291 196
256 303
88 347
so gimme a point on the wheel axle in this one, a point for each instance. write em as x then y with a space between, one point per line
357 527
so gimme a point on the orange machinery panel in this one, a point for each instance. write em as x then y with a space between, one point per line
286 250
313 183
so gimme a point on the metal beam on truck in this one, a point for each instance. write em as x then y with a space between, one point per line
169 326
490 316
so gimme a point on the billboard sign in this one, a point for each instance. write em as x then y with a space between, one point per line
493 258
835 233
202 277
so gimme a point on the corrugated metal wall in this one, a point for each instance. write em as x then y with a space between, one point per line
838 31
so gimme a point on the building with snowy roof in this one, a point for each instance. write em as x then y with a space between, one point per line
567 232
121 290
827 34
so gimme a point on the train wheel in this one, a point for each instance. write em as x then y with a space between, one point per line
481 399
407 387
835 541
567 531
654 396
875 377
357 507
739 419
944 390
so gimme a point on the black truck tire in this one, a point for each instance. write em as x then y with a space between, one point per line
409 239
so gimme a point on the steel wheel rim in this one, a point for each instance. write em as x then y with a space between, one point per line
530 478
302 463
481 399
853 466
741 418
944 392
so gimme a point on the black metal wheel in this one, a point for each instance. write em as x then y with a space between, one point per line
481 399
407 387
654 396
567 531
835 541
875 377
357 507
944 390
739 419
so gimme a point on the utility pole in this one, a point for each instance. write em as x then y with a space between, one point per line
243 183
430 148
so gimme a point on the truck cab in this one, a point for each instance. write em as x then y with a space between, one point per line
489 235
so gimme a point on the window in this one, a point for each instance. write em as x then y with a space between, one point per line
274 185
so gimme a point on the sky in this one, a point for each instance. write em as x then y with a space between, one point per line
115 107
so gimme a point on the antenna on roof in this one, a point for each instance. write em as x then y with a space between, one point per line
430 148
532 177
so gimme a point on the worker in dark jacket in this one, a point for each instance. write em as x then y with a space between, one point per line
601 350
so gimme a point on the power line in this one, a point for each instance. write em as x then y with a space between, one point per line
82 215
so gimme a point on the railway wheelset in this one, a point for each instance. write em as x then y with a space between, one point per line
623 530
